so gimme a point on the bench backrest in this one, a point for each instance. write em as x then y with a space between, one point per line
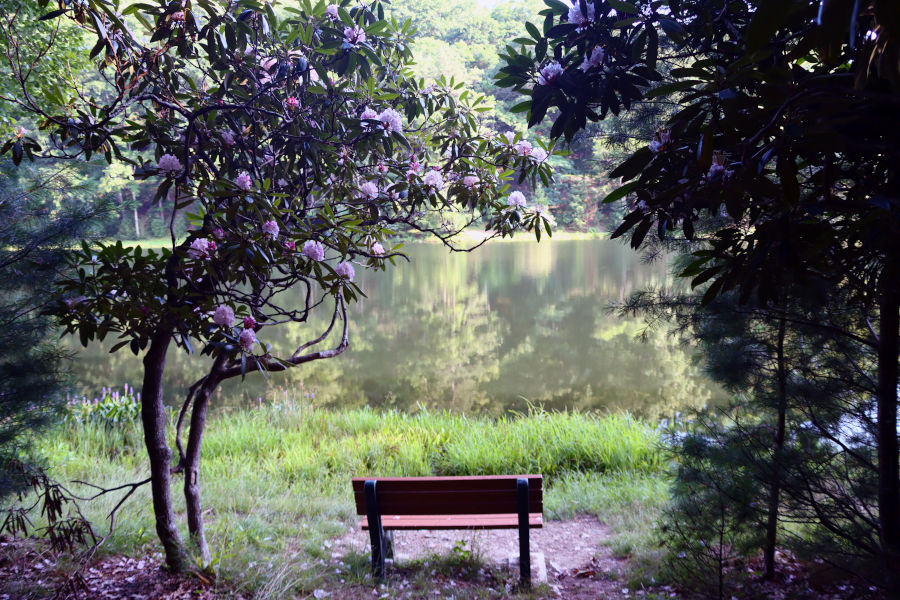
491 494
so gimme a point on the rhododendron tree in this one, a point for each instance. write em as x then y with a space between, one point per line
275 131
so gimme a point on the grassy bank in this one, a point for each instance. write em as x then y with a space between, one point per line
276 479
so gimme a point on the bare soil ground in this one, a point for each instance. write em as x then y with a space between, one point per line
579 567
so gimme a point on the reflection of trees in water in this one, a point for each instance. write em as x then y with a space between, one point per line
477 333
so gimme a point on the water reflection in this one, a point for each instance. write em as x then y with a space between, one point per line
509 324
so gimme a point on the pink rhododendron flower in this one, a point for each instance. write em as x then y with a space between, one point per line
228 138
290 246
368 190
471 181
345 270
510 136
224 316
249 323
292 103
244 181
270 228
538 155
219 232
169 164
332 12
433 180
313 250
550 73
391 120
248 338
594 60
354 36
516 200
178 17
377 249
579 18
382 168
200 249
523 147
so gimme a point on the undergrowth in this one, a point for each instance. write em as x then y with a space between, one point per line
276 487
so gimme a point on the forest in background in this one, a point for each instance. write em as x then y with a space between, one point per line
456 39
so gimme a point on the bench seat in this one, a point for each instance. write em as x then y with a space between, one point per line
495 521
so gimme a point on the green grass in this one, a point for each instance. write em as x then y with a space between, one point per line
276 484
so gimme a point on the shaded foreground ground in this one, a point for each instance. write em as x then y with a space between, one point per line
435 564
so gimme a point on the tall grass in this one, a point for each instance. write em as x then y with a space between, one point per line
275 479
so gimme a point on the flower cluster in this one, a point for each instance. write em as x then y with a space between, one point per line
169 164
270 228
594 60
662 140
224 316
313 250
201 248
579 18
354 36
368 190
248 339
433 180
244 181
377 249
391 120
516 200
550 73
522 147
331 11
345 270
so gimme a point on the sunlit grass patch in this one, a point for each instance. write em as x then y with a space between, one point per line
276 479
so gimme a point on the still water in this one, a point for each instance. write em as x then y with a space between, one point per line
507 325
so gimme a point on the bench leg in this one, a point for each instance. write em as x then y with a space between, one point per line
376 533
387 542
524 539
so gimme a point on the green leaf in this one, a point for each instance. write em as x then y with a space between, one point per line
620 192
633 165
626 7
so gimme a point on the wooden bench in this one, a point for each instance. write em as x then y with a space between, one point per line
486 502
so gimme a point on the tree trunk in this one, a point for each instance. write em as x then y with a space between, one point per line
153 417
192 461
775 491
137 221
888 466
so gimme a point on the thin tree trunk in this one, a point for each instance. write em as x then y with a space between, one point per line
153 417
192 460
775 491
888 465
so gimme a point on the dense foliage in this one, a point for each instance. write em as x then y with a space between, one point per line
36 225
775 162
299 144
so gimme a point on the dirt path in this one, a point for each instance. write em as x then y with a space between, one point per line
579 564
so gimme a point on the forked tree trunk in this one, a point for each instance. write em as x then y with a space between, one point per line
153 417
888 466
775 490
192 460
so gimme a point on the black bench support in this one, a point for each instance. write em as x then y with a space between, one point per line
376 533
524 540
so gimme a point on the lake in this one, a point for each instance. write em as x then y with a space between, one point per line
509 325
